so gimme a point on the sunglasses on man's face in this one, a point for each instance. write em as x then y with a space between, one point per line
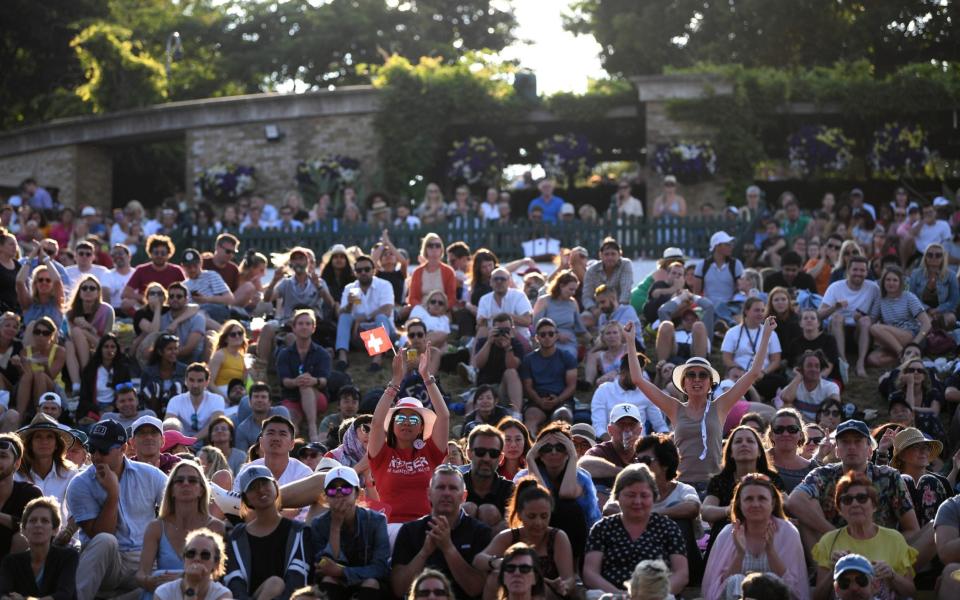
524 569
415 334
177 297
482 452
860 579
84 253
362 269
499 279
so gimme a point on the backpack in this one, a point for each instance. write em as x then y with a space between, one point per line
709 262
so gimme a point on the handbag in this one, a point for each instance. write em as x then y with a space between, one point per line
939 342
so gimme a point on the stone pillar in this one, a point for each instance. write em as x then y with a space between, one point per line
82 174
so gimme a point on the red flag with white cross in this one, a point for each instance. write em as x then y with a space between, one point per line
376 340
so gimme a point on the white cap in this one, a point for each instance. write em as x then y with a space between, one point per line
941 201
326 463
720 237
50 397
672 252
623 410
345 473
88 211
567 209
146 420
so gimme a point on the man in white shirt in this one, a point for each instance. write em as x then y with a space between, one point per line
197 406
851 299
85 253
366 304
809 389
276 442
505 299
116 278
623 391
928 230
207 288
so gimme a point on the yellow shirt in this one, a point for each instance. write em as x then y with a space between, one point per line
231 368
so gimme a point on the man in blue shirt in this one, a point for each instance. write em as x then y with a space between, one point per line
547 202
112 501
303 368
549 377
36 196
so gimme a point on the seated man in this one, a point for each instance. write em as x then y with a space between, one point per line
147 437
191 331
497 360
685 339
614 271
854 578
127 402
605 460
808 388
611 310
207 288
367 303
947 535
196 408
549 377
112 501
487 492
613 394
303 368
158 270
248 430
790 276
446 540
847 303
812 502
504 299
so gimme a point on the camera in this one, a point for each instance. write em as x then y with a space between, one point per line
503 331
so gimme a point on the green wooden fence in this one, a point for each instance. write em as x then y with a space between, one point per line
638 237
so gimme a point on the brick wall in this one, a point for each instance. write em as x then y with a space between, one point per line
276 162
83 174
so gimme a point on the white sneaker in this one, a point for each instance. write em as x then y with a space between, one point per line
468 373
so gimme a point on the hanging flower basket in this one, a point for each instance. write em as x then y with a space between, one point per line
475 160
820 150
899 149
689 162
567 155
225 182
327 174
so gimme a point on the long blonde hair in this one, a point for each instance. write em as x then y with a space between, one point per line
167 505
944 268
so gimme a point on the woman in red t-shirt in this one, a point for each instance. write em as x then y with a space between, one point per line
407 441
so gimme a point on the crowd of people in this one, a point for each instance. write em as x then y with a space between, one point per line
181 422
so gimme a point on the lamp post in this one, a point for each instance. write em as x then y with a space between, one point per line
174 52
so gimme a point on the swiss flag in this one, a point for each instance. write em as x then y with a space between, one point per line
376 340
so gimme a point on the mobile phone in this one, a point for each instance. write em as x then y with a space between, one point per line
412 355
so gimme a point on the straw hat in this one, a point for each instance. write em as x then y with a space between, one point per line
911 436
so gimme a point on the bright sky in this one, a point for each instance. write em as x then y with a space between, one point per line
561 61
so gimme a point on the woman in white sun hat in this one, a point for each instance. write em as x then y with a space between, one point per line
407 441
698 422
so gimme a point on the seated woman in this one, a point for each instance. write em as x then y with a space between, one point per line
164 376
618 542
529 512
10 348
912 453
351 545
676 499
44 570
249 292
740 345
228 361
42 361
936 286
185 507
268 556
898 319
914 387
786 441
487 410
829 415
743 454
892 558
780 306
352 451
223 435
520 575
816 445
107 367
560 305
887 382
603 361
759 539
409 435
89 319
44 462
553 461
204 562
40 290
430 583
432 274
516 445
433 312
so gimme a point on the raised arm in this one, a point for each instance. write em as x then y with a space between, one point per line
378 436
668 404
739 389
441 429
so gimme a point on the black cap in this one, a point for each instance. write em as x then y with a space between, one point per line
190 256
106 435
317 446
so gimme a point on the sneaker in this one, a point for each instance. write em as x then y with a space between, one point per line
844 371
468 373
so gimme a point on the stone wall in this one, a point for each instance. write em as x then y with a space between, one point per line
82 174
276 161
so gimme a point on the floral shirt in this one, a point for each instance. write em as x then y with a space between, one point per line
893 496
661 539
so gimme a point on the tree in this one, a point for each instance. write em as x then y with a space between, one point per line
644 36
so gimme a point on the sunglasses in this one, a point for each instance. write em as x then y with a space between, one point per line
333 491
44 280
548 448
10 446
646 460
362 269
155 293
546 334
914 370
437 303
434 245
89 288
792 429
85 253
192 553
407 419
833 246
42 332
428 593
415 334
195 421
847 499
236 333
696 375
482 452
229 250
833 412
124 387
935 254
815 440
524 569
186 480
859 578
177 296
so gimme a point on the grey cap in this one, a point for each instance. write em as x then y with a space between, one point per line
251 473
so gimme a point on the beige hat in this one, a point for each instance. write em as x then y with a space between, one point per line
911 436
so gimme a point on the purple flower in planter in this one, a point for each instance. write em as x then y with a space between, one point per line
688 161
225 182
475 160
